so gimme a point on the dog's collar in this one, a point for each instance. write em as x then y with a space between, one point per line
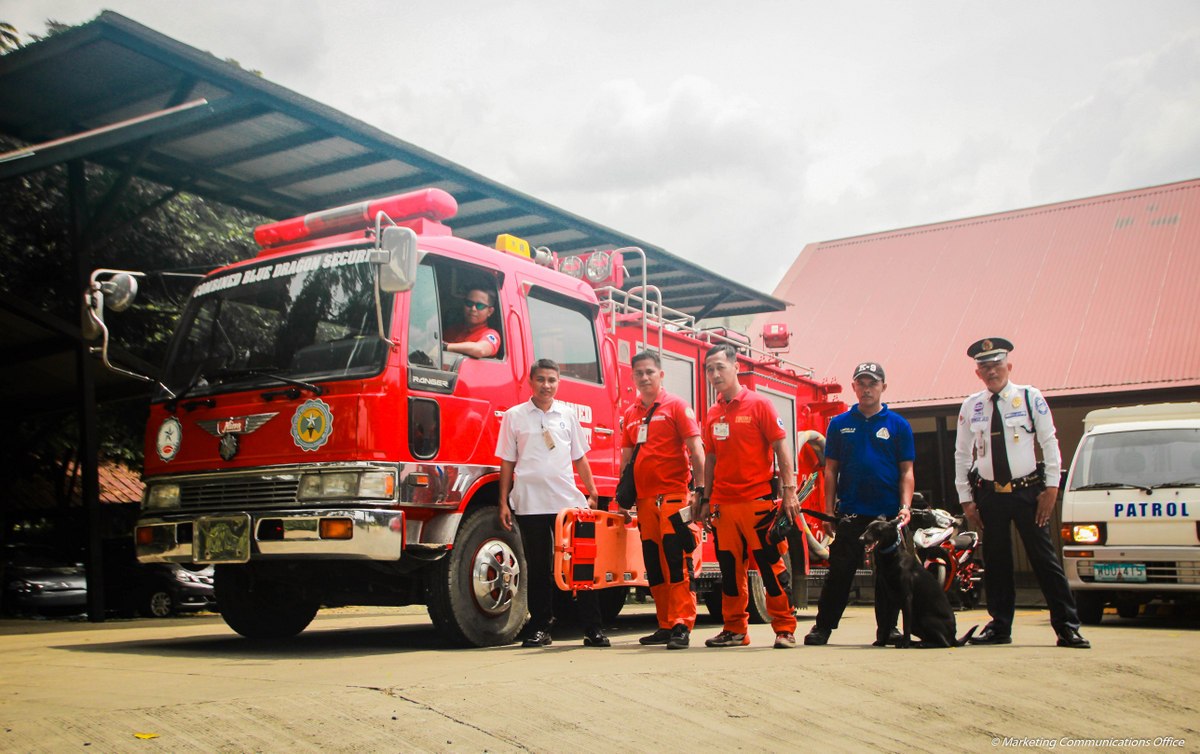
894 545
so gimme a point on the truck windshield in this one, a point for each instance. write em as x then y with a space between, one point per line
307 317
1143 458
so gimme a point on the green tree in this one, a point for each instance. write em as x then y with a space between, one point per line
10 39
184 235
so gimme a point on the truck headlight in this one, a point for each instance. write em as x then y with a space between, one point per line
159 496
347 484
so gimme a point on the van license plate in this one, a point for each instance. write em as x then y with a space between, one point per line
1120 572
222 539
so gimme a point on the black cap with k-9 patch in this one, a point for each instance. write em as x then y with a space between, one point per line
869 368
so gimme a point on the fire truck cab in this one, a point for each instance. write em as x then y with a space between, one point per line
312 437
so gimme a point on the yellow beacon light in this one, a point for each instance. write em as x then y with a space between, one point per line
513 245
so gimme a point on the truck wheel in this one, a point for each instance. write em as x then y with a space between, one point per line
796 548
712 601
1128 609
259 606
159 604
1090 606
757 604
612 600
475 594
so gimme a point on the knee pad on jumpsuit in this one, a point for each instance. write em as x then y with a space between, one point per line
767 555
677 545
654 574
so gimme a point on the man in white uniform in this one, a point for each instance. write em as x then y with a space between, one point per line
540 442
1000 483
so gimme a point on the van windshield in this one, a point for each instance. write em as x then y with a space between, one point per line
1142 458
306 317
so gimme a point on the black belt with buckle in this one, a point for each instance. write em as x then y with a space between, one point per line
1033 479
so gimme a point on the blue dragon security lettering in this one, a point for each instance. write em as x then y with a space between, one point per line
1151 510
312 424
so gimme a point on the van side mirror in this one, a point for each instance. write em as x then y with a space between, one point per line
397 258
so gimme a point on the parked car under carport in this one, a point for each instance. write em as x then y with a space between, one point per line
155 590
40 580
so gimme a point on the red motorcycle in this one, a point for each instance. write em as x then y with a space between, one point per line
948 553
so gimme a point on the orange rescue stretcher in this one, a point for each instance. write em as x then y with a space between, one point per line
596 549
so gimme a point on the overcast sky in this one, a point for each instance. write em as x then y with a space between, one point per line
733 134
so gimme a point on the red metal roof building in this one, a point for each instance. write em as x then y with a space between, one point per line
1098 296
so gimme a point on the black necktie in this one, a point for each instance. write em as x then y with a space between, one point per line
1000 470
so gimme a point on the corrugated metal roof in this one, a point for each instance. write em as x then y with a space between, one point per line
1097 295
267 149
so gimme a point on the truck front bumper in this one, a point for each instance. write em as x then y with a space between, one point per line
333 533
1167 569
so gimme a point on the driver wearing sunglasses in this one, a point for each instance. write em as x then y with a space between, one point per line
473 337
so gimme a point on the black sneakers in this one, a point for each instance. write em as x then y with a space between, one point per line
680 637
727 639
594 637
817 637
661 636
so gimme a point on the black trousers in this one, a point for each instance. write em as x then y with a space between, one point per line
999 511
537 539
846 557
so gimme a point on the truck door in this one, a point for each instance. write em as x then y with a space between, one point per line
454 401
566 330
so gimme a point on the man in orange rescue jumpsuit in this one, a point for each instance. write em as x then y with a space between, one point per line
665 428
741 432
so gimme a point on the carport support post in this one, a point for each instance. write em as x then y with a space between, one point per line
88 436
940 433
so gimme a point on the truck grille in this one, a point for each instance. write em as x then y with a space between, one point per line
239 492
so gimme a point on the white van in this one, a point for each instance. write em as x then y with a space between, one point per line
1131 509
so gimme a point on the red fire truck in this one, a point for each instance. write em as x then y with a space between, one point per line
311 437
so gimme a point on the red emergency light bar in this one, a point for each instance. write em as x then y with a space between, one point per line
431 204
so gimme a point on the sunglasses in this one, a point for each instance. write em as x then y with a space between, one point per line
476 305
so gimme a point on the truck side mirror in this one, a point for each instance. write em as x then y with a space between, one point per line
119 292
397 259
115 293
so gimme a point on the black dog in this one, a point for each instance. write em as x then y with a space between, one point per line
923 604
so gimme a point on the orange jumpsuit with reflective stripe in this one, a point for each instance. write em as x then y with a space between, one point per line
740 529
737 438
661 472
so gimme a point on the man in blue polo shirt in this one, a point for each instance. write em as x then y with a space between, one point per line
869 455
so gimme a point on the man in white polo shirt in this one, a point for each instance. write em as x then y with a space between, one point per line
540 442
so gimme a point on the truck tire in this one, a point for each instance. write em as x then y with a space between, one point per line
712 601
259 604
796 549
475 595
757 604
1090 606
1128 608
612 601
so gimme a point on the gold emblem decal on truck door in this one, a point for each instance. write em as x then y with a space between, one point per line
312 424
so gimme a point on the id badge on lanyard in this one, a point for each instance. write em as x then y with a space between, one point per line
643 433
721 430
